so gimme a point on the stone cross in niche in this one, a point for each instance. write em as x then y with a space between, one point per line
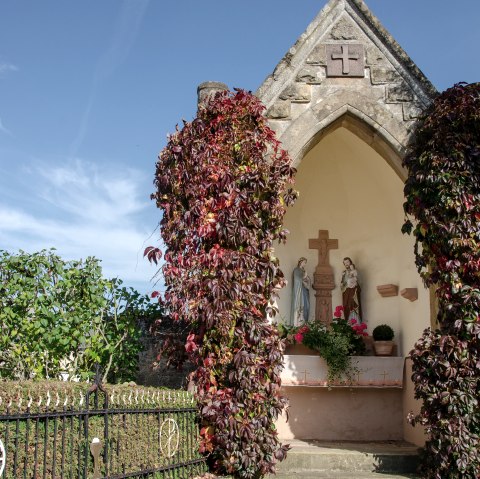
347 60
345 56
323 281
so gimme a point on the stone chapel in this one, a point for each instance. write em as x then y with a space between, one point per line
343 101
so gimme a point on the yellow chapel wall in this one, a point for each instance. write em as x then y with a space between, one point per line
350 190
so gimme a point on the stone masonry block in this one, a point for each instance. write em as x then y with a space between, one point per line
298 92
374 56
280 110
317 56
344 29
412 111
383 75
310 75
399 93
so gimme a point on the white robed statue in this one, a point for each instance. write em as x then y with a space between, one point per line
300 294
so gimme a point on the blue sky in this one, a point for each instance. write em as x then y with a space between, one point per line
89 90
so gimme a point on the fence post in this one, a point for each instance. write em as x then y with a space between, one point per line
95 448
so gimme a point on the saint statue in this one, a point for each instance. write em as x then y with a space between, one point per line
350 292
300 294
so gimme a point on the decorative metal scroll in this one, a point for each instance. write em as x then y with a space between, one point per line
169 437
3 458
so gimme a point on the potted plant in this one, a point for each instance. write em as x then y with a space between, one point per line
383 340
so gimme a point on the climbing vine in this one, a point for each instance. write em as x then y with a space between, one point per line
223 184
443 198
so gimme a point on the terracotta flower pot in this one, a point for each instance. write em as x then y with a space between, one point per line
383 348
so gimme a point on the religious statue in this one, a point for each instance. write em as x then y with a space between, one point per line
351 292
300 294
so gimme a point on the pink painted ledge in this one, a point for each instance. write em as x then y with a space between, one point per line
370 372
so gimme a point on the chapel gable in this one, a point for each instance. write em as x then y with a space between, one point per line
345 63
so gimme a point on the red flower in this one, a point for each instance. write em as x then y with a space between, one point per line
298 337
338 313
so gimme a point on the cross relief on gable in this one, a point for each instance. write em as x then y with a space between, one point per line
345 60
345 44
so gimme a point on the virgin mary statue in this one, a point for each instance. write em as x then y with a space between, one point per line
300 294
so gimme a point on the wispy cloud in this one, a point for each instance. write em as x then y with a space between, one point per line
3 129
84 210
125 31
93 194
7 68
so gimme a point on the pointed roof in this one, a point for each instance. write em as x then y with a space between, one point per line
345 62
392 44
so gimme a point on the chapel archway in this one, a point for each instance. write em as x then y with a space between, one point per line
349 188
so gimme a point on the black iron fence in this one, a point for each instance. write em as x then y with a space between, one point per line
112 432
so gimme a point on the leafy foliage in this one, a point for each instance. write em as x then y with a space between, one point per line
336 344
443 196
383 332
64 441
63 316
223 186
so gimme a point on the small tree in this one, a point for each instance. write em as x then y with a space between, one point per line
443 195
222 184
61 316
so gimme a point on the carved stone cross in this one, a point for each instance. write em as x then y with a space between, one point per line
345 60
345 56
323 281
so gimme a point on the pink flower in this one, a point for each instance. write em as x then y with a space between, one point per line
298 337
338 312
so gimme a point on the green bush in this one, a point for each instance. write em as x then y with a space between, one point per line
383 332
134 438
61 316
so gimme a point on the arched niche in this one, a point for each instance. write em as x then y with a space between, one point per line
350 182
371 121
